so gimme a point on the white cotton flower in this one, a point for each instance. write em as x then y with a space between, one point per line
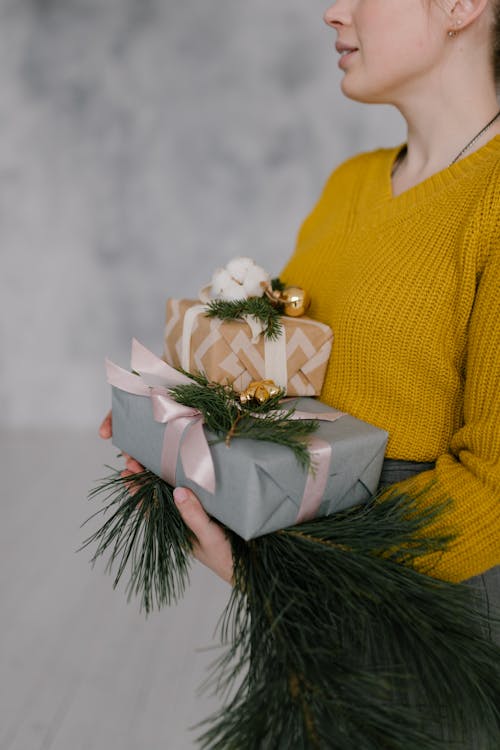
225 287
239 268
254 278
232 291
240 279
220 278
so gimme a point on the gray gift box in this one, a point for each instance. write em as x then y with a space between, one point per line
260 485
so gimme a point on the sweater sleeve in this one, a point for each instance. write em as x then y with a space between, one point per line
469 473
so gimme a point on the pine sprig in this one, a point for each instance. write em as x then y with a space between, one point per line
225 416
335 644
260 308
146 536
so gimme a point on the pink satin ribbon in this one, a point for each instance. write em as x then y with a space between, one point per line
321 455
184 434
194 451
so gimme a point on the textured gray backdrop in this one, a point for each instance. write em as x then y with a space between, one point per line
143 143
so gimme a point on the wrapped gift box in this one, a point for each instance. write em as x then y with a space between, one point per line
229 351
259 486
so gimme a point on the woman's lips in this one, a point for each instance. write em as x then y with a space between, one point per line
346 56
346 53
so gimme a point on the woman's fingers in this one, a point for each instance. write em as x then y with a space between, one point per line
133 466
193 513
106 428
213 548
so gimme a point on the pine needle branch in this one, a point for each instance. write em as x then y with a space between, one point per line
146 536
260 308
341 646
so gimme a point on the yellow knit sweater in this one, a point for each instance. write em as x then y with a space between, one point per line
410 286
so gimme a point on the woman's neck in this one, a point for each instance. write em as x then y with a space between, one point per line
439 136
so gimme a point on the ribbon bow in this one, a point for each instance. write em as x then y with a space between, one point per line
184 433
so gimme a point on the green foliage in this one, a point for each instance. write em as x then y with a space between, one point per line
335 644
260 308
144 536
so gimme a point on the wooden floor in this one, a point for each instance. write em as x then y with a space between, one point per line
80 669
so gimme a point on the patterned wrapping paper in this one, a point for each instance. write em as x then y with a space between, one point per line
225 351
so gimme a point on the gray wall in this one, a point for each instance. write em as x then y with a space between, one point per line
143 143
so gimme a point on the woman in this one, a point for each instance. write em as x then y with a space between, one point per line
401 256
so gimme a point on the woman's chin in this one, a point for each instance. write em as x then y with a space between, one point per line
359 93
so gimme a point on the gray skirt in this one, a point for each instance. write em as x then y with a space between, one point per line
486 585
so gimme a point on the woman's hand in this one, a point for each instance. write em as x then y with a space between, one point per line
212 547
106 428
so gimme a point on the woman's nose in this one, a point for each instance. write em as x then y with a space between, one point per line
336 14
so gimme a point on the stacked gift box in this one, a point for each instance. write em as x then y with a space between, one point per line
255 487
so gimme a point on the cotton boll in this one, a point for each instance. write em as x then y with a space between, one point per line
231 291
225 287
253 281
239 267
240 279
220 278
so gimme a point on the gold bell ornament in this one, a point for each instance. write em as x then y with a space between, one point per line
260 390
295 300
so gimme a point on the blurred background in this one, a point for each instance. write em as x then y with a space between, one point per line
142 144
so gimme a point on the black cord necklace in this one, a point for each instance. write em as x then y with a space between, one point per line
488 125
478 135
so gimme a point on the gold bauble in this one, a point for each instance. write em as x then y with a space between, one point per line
295 301
260 390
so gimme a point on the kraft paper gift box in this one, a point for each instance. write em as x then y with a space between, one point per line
230 351
258 487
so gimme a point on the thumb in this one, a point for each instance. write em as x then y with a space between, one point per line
192 511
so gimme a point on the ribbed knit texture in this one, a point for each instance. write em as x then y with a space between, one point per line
410 286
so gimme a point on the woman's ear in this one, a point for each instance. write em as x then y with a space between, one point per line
463 12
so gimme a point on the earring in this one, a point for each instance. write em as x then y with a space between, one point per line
452 32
